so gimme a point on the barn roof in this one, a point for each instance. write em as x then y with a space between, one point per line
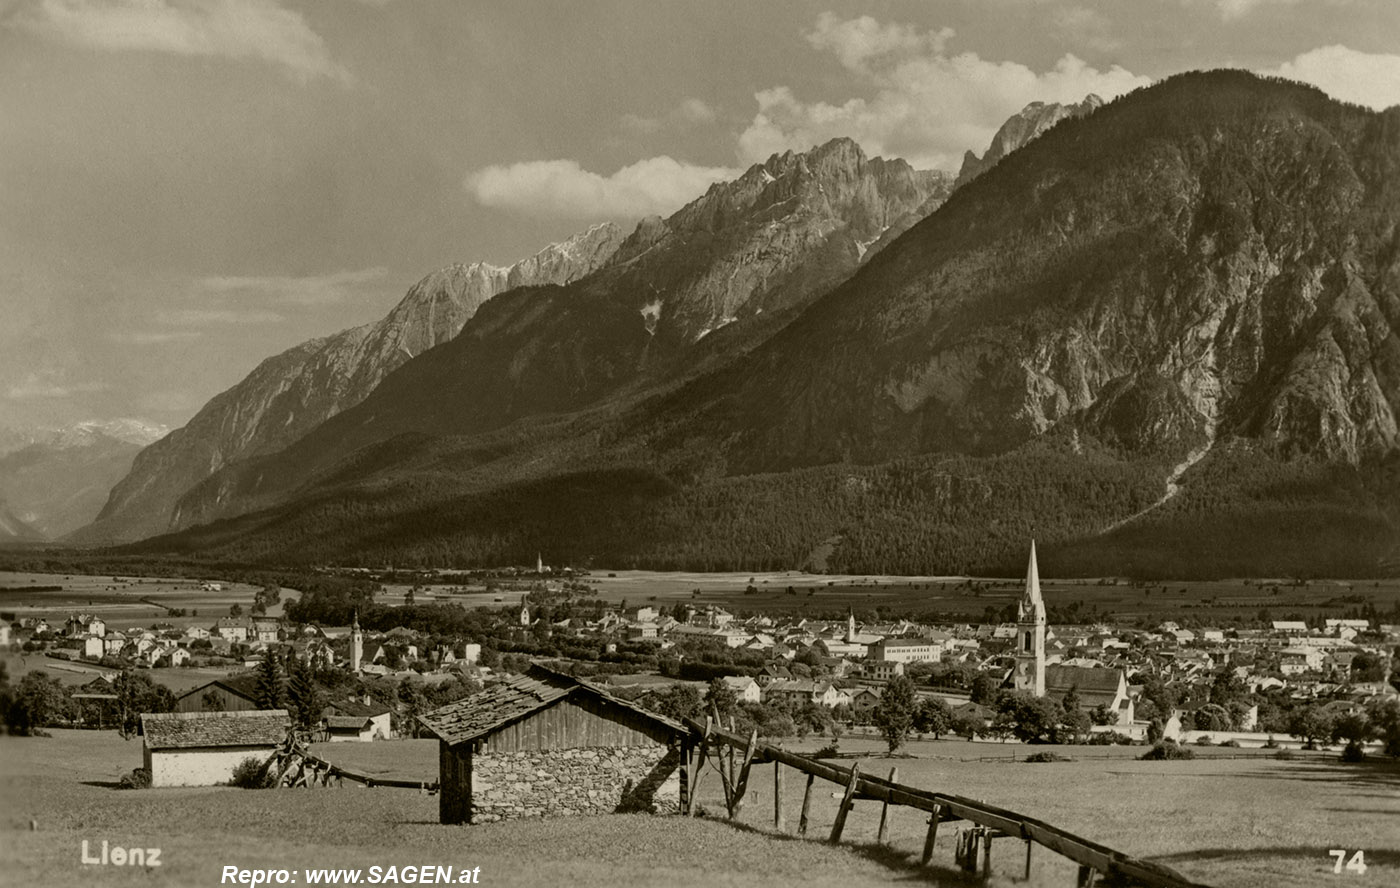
511 700
346 722
188 730
244 684
1086 679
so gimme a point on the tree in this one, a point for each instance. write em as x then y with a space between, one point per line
212 701
38 701
409 598
1212 717
137 694
1355 729
720 697
985 690
894 713
934 716
303 695
235 610
1384 716
1031 718
1075 722
678 701
269 691
1367 666
1310 724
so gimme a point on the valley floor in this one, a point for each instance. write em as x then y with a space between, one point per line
1228 823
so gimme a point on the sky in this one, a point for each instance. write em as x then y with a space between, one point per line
190 186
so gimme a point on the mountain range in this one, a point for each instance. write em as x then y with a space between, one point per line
53 480
1159 333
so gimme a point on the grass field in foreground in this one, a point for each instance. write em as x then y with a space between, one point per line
1226 823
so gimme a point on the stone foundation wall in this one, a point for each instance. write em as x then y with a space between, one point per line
561 782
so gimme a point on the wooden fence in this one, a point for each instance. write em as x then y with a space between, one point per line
718 747
293 765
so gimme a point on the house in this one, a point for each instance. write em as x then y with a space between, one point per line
84 624
906 650
883 671
93 647
1296 661
358 721
744 688
267 629
235 693
112 644
231 629
547 744
641 632
204 748
197 633
1096 686
863 702
799 692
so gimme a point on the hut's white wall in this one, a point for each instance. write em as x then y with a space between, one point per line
200 767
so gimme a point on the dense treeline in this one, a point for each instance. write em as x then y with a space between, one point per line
1242 512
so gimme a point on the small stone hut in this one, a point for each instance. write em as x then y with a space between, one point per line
546 744
203 748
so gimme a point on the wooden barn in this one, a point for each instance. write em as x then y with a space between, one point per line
546 744
203 748
234 693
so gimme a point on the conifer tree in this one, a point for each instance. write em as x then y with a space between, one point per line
270 692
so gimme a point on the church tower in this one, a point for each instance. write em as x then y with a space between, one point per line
1030 634
850 625
357 643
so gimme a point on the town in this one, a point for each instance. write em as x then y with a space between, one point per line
1286 683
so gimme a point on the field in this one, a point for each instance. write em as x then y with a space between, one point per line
1229 823
119 600
935 597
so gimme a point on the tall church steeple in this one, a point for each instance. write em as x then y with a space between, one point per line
357 643
850 625
1030 633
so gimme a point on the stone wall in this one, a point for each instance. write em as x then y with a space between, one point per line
589 780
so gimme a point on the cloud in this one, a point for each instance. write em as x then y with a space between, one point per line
327 289
49 386
689 113
926 105
152 337
858 42
238 29
207 317
563 189
1236 9
1371 79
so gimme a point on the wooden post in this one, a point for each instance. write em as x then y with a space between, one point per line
846 803
685 777
1086 876
883 836
986 853
779 823
932 833
1029 845
806 805
741 785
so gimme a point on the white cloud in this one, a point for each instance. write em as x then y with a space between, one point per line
49 386
858 42
205 317
927 106
239 29
326 289
1371 79
689 113
1236 9
152 337
563 189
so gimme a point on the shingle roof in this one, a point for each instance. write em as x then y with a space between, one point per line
359 710
187 730
1084 678
513 699
346 722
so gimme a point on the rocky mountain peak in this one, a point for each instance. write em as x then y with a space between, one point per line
291 393
1029 123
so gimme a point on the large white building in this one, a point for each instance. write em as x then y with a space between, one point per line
906 650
